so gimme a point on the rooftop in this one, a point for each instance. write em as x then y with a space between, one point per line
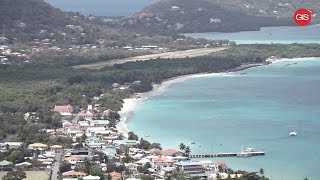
189 163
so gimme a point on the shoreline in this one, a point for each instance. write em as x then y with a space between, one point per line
130 104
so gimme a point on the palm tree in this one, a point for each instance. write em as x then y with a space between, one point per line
187 151
182 147
261 171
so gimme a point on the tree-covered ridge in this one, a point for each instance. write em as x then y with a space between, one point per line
274 8
189 16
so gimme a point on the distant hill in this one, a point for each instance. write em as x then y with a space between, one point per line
188 16
268 8
24 20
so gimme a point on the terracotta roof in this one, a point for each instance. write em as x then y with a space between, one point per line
62 108
73 173
56 147
115 174
71 158
169 151
156 151
220 163
161 160
37 145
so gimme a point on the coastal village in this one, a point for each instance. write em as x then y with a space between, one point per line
100 150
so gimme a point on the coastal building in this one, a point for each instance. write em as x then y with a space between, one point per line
190 167
172 152
159 163
207 164
166 170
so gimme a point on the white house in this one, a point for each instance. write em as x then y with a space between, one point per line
159 163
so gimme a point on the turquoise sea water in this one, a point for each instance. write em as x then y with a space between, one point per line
268 35
258 109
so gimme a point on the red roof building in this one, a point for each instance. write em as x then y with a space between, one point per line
63 109
115 176
74 174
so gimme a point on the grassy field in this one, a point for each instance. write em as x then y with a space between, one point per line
32 175
167 55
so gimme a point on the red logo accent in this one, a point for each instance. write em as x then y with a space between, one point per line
303 16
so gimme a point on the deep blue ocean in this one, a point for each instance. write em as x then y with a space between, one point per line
258 109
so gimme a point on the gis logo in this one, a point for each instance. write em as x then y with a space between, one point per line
303 16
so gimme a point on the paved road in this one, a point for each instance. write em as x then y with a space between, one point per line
56 165
167 55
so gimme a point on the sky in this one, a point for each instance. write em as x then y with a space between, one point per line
101 7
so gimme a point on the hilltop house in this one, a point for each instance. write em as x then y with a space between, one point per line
64 109
88 115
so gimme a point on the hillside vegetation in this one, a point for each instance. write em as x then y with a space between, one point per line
188 16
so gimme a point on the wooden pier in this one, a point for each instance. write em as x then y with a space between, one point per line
246 154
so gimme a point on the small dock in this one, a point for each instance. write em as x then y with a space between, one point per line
247 154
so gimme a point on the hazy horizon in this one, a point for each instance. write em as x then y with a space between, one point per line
101 7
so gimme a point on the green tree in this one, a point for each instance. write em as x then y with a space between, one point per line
95 170
182 147
144 144
86 166
64 167
84 137
16 156
14 175
261 171
132 136
144 177
187 151
156 146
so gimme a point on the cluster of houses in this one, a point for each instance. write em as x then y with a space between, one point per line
100 137
42 156
7 55
92 134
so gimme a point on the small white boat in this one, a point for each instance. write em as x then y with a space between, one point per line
293 133
247 153
250 149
